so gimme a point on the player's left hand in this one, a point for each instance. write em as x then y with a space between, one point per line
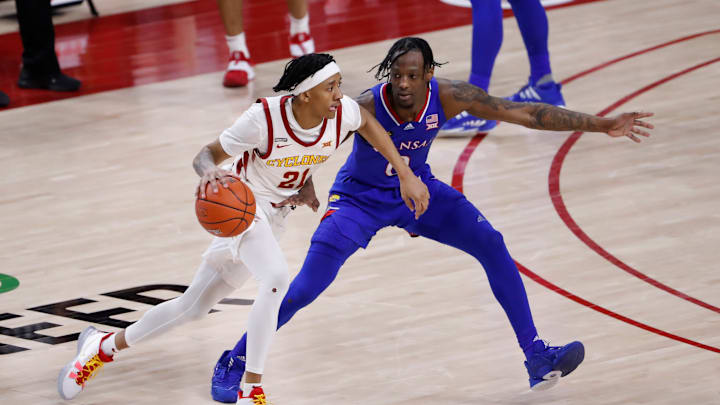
306 196
627 124
415 194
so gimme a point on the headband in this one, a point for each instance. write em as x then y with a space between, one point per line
317 78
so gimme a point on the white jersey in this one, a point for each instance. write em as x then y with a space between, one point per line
278 156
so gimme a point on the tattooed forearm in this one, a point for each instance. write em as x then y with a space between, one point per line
467 93
203 161
532 115
559 119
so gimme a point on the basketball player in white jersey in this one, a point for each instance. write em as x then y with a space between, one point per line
277 144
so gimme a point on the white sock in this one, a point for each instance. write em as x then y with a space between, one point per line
108 346
298 25
248 387
237 43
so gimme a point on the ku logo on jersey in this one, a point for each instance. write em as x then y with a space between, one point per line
431 122
412 145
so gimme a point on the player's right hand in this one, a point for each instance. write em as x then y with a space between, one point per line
628 124
212 176
415 194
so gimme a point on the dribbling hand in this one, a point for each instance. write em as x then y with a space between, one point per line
212 176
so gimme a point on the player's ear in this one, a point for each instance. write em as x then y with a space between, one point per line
429 73
304 96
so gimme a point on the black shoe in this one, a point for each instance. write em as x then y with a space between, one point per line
4 100
56 82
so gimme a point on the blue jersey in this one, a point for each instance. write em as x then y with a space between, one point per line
411 138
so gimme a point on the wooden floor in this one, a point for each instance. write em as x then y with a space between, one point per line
97 196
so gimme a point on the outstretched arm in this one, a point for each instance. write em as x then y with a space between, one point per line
460 96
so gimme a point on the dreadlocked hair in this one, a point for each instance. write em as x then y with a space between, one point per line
400 48
300 69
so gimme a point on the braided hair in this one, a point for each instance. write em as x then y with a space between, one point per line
300 69
400 48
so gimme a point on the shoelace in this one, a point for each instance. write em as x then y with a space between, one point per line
89 370
237 56
259 399
475 123
300 37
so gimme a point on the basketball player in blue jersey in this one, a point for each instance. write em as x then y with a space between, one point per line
412 105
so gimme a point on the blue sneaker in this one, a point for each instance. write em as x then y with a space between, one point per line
548 93
226 378
465 124
548 363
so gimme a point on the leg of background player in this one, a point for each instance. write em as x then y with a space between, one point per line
300 41
239 71
533 23
40 68
486 41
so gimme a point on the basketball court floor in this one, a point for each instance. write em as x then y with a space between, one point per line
617 241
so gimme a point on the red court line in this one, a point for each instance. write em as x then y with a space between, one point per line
458 175
459 169
634 54
567 294
558 160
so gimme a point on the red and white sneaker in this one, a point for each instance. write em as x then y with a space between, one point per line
256 397
239 71
88 361
301 44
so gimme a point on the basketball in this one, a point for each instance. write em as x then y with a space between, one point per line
229 212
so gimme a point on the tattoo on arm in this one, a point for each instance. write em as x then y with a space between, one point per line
533 115
203 161
467 93
547 116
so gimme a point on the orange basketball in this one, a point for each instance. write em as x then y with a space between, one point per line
229 212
